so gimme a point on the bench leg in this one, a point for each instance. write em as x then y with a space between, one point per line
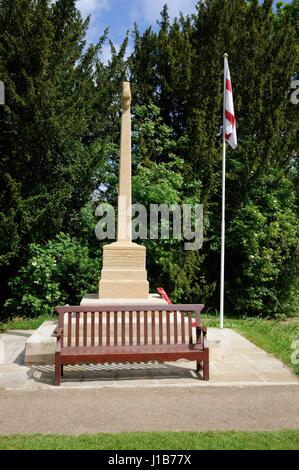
61 369
206 366
57 372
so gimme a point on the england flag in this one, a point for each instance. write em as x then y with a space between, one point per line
229 126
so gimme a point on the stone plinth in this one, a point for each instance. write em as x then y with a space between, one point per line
124 273
93 300
40 347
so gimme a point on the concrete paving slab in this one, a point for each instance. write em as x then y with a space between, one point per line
234 361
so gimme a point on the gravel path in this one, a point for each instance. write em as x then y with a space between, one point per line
62 411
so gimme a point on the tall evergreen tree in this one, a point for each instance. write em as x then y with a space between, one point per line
54 125
185 81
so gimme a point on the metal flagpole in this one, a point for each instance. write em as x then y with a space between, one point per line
222 275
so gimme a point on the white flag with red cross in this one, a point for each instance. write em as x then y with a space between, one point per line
229 124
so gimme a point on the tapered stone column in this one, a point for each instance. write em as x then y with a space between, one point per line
124 226
124 273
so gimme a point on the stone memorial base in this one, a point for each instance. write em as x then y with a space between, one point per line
124 274
40 346
93 300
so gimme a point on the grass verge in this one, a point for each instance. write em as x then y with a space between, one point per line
283 440
19 323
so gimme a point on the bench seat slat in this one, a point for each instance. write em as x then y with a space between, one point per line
132 349
160 353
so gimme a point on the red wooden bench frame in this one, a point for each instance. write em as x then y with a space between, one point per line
158 345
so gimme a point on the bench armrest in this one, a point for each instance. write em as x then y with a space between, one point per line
58 332
201 336
58 345
59 335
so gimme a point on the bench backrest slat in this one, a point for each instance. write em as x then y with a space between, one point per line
153 328
61 326
85 330
168 327
131 328
107 328
146 315
115 328
77 328
92 333
160 328
69 329
122 326
138 328
100 328
183 328
190 327
175 322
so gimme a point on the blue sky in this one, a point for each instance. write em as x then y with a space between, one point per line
120 16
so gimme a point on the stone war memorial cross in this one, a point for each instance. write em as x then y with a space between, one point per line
124 274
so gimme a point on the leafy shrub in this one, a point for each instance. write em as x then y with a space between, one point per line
58 273
262 249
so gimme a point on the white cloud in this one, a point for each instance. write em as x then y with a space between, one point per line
106 53
90 6
150 9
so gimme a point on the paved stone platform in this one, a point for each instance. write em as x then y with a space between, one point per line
234 362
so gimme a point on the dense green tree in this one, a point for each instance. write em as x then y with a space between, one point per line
185 81
59 142
55 126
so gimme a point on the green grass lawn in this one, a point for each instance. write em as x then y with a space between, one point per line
284 440
19 323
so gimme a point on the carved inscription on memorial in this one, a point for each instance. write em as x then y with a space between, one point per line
124 259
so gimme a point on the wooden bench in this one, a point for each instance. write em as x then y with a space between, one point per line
130 333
